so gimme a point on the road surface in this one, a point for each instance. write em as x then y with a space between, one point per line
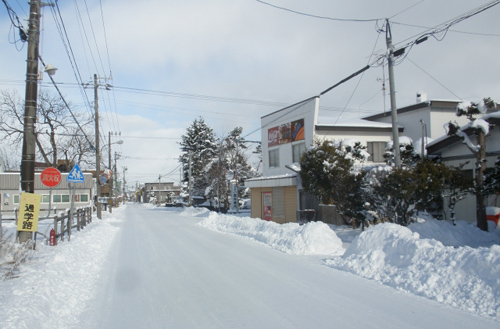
166 271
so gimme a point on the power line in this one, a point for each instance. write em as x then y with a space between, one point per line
320 17
69 109
450 30
442 85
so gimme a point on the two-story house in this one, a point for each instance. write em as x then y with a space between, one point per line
288 132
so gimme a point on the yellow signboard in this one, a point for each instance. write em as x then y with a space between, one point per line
29 210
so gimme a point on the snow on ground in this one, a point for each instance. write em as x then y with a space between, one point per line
312 239
457 265
58 279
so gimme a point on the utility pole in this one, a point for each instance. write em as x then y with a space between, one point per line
159 190
394 114
110 185
28 157
114 174
97 157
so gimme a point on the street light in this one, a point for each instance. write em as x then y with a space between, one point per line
50 69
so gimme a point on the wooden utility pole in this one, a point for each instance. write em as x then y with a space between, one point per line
97 149
110 184
394 114
159 190
28 157
482 221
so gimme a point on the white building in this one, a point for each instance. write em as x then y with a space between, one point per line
58 197
287 133
453 152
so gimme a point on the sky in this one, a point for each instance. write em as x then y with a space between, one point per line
231 62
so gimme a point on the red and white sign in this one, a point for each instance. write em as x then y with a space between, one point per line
50 177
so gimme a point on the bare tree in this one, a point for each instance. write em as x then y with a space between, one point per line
56 132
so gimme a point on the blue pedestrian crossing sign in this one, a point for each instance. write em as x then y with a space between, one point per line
75 175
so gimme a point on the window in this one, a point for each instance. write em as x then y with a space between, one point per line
84 198
45 198
297 151
274 158
65 198
56 198
16 198
376 150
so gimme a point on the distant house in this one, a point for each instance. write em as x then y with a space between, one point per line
159 191
453 152
288 132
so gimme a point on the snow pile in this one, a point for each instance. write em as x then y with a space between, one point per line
194 212
59 280
461 277
461 234
315 238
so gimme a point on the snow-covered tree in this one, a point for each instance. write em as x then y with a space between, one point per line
328 171
230 156
492 179
201 145
407 152
479 128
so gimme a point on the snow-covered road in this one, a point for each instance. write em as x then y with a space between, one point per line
166 271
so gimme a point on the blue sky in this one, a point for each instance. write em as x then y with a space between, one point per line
246 50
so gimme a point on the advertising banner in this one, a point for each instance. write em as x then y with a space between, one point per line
285 133
298 130
267 202
273 136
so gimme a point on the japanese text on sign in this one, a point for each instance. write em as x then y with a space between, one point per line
29 210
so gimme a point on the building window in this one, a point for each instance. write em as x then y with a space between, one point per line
274 158
45 198
16 198
297 151
376 150
56 198
84 198
65 198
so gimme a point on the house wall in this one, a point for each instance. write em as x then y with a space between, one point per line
458 154
307 110
434 115
284 203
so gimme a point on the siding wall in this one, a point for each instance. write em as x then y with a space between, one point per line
284 208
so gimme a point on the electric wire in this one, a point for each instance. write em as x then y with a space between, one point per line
320 17
16 23
402 11
433 78
69 109
359 80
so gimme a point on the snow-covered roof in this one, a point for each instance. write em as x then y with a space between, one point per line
481 123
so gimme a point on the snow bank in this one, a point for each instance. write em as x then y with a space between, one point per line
461 277
314 238
194 212
58 280
462 234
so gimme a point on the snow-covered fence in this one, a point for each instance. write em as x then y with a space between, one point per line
69 221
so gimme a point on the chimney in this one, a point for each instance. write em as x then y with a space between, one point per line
421 97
